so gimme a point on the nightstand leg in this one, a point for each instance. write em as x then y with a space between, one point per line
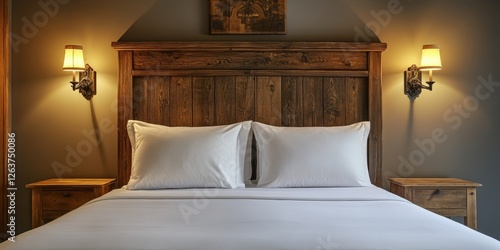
36 207
471 218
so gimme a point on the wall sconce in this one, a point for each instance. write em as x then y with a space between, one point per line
73 61
431 60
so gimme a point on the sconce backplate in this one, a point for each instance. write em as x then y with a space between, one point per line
413 81
87 84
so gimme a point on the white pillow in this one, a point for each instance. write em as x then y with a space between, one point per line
312 156
187 157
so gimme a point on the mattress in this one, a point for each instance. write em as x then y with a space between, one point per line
252 218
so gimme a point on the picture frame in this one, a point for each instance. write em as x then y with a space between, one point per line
247 17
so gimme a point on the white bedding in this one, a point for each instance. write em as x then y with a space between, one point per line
252 218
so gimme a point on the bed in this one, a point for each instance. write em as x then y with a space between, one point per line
279 145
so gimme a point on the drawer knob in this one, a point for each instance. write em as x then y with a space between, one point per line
66 195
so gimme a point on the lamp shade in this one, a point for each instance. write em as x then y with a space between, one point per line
431 58
73 58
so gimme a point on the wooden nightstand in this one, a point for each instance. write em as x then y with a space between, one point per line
54 197
449 197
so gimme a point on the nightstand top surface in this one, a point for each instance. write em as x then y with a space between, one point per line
442 182
83 182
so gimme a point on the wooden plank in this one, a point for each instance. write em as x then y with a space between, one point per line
292 105
203 101
181 101
225 100
171 60
158 100
36 203
245 98
252 72
313 101
375 115
268 100
356 100
434 182
140 97
334 99
218 46
471 217
125 102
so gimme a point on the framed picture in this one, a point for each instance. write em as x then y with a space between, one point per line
247 16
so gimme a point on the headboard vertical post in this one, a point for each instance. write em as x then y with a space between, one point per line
375 115
125 109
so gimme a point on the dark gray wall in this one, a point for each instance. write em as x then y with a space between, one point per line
51 121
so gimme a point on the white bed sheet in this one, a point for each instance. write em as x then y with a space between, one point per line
252 218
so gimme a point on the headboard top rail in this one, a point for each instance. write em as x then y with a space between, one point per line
251 46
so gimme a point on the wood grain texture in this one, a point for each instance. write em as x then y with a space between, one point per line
334 101
375 115
36 204
292 101
356 99
65 199
125 113
444 198
248 60
221 46
181 101
225 100
313 104
278 83
471 216
245 98
158 99
268 100
203 101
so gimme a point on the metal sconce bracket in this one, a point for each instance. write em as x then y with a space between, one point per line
87 83
413 82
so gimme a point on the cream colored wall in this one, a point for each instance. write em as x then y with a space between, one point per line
50 120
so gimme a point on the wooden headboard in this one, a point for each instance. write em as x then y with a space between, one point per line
278 83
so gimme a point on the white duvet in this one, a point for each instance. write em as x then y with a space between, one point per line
252 218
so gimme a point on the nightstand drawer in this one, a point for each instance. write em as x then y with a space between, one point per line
440 198
65 200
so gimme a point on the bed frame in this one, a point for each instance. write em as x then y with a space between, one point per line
278 83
